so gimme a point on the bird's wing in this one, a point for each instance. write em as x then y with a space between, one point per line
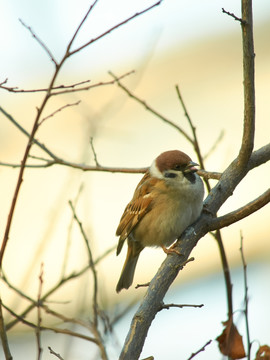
135 209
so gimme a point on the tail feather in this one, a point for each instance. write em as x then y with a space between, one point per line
127 274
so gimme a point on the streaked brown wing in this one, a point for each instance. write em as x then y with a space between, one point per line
135 209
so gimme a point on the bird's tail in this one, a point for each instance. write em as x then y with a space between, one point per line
127 274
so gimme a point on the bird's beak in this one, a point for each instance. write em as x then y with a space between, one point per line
190 168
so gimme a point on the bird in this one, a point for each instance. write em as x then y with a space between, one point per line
166 201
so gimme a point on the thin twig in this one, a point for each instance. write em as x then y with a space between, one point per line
91 264
54 353
39 319
41 304
3 335
40 42
214 146
226 272
56 330
233 16
115 27
95 306
200 350
168 306
195 139
150 109
68 243
59 110
142 285
4 82
15 89
80 26
94 151
57 286
66 89
218 236
246 296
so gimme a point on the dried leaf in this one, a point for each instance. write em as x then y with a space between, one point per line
230 341
263 353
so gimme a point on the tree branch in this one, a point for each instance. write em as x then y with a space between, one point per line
218 195
249 84
241 213
152 110
3 335
56 330
40 42
115 27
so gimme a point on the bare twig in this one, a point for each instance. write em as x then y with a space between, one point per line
54 353
80 26
91 264
226 272
4 82
40 42
115 27
195 139
241 213
152 110
57 286
3 335
94 152
68 243
15 89
39 319
41 304
83 167
95 288
246 296
56 330
233 16
142 285
59 110
218 236
168 306
67 89
200 350
214 146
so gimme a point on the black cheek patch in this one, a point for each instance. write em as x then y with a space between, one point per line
170 175
191 177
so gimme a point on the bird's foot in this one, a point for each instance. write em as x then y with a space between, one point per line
171 250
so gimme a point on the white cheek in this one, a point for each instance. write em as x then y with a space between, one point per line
154 171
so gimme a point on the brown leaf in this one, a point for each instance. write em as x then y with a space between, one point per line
230 341
263 353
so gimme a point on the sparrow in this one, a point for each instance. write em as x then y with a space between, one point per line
166 201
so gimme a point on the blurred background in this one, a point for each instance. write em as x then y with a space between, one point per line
189 44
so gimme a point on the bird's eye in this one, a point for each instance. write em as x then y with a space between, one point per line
178 167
